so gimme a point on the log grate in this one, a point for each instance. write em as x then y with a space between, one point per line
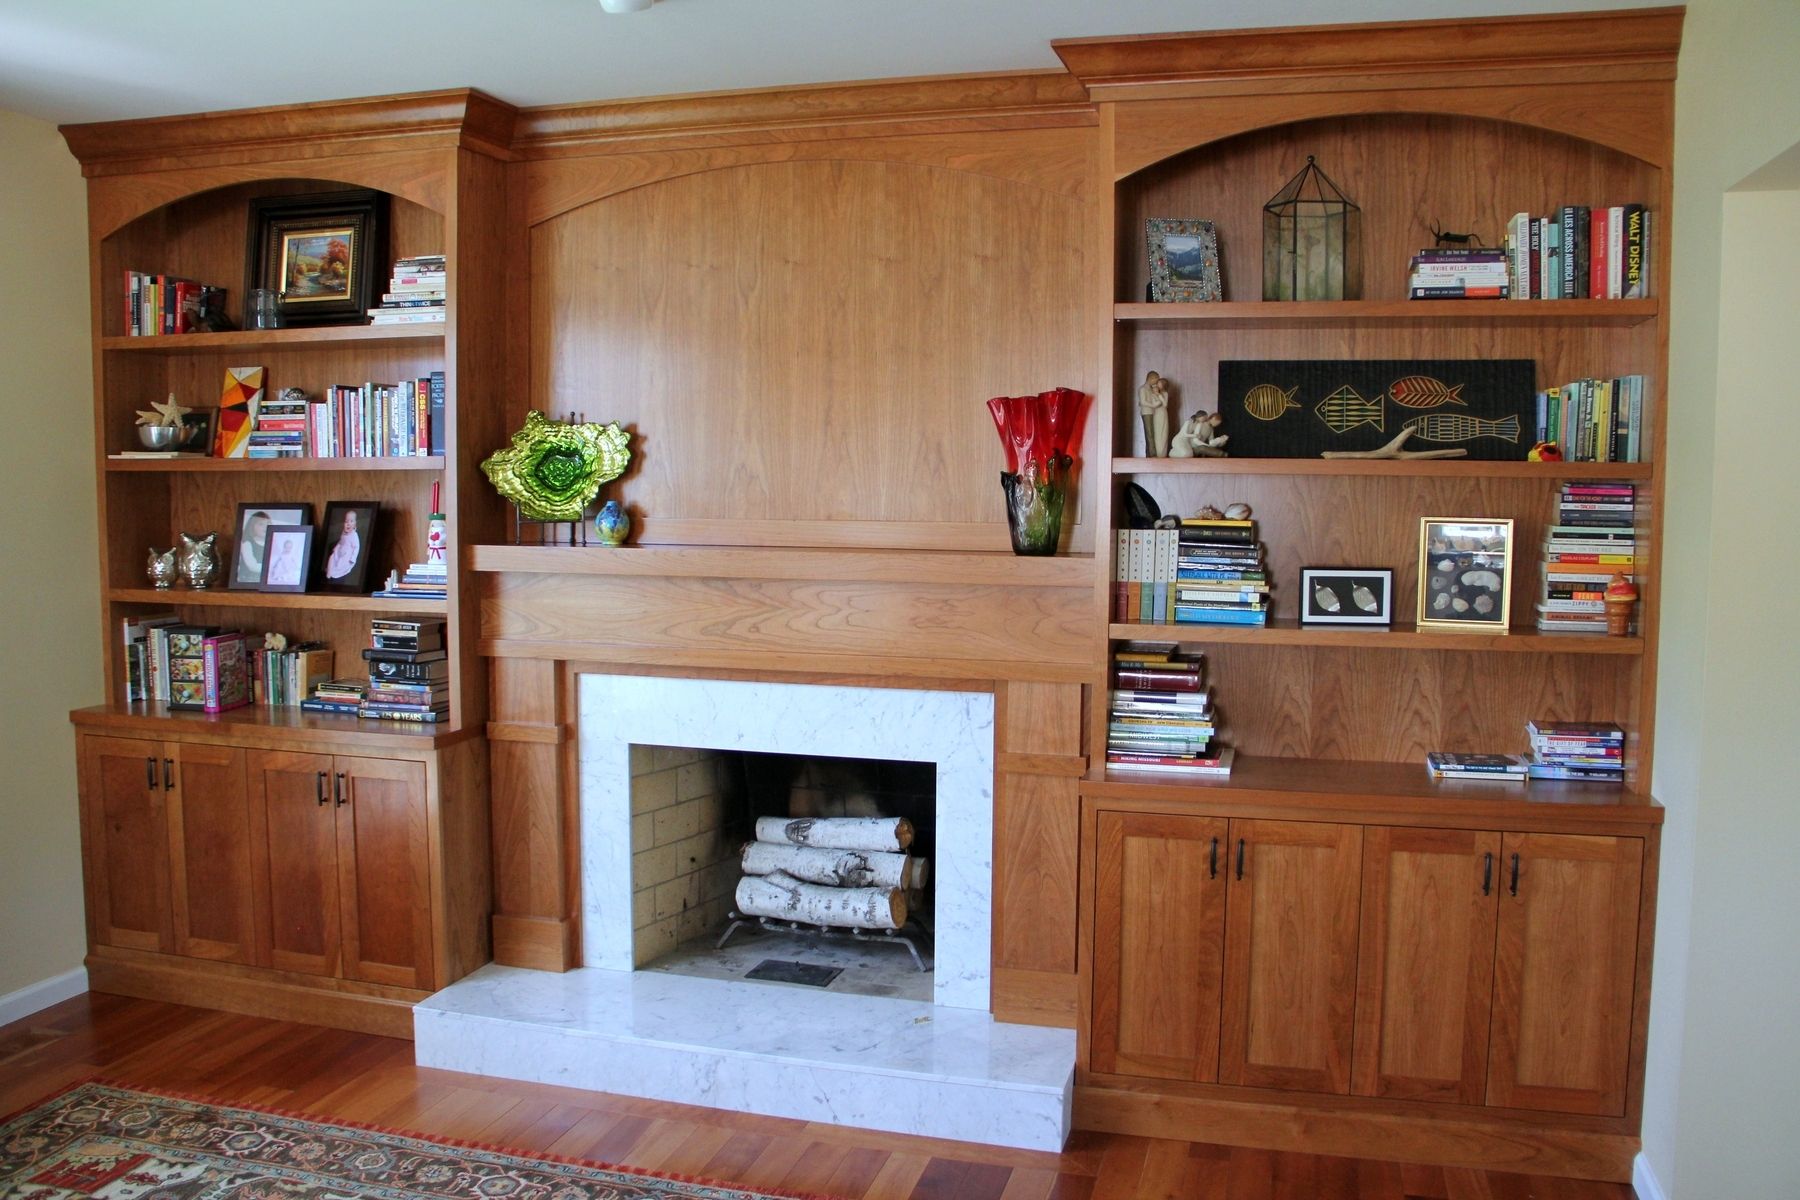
911 935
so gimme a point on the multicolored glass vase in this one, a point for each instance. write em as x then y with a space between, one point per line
1038 433
612 523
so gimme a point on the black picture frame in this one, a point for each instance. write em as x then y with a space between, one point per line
1330 596
197 431
246 569
292 251
288 564
338 569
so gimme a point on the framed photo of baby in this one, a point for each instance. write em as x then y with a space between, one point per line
287 557
254 521
347 544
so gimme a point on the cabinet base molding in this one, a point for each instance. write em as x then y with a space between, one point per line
541 943
384 1011
1035 997
1551 1148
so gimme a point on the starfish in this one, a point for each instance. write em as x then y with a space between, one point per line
168 413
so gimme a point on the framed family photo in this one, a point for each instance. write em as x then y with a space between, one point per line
1465 573
319 253
347 544
288 558
254 521
1184 260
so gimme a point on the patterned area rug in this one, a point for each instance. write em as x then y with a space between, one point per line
110 1143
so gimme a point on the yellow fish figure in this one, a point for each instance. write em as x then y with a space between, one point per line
1461 427
1344 410
1266 402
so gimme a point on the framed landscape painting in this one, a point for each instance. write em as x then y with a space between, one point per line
319 252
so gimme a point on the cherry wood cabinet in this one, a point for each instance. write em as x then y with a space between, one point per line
1424 990
124 830
1565 963
208 813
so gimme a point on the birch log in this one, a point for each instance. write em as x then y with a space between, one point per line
788 899
834 868
838 833
918 872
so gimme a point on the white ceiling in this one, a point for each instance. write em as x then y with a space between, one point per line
89 60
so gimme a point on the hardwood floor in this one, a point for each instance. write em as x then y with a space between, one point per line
330 1074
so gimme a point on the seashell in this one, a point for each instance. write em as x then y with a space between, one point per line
1439 582
1458 604
1482 579
1445 564
1484 604
1237 512
1364 599
1441 601
1326 599
1208 513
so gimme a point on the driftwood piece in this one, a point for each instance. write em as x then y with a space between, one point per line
788 899
1393 450
833 868
838 833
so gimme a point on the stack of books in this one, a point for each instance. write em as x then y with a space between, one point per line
422 581
1221 577
415 294
409 670
378 420
1594 420
278 429
1577 750
343 697
1161 716
1478 273
284 676
1580 254
1442 764
1592 540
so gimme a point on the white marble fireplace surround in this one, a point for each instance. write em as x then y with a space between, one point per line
946 1069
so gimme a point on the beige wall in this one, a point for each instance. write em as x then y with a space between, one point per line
49 603
1724 1049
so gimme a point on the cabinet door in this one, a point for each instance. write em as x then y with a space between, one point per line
1159 925
209 853
1290 955
127 844
298 860
384 871
1426 973
1563 972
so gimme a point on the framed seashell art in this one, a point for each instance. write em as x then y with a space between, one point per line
1465 573
1346 596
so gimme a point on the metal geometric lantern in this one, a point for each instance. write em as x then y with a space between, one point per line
1312 241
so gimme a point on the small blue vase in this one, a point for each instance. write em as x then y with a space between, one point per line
612 523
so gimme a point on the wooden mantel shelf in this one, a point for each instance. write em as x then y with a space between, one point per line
788 563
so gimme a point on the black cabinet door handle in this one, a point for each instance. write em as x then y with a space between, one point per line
1487 873
319 789
341 790
168 774
1514 887
1240 866
150 773
1212 862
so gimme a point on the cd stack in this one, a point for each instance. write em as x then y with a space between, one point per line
1577 750
409 670
1161 716
1220 576
1592 540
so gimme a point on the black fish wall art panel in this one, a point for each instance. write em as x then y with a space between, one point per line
1299 408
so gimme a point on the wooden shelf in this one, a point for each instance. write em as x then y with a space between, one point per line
266 728
1279 314
243 340
1329 785
309 601
253 466
1286 631
1435 468
776 562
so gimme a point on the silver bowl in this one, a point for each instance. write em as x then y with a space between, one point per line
160 437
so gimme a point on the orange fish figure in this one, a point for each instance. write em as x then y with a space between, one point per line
1422 391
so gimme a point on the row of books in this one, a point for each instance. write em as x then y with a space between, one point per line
1205 571
1592 752
371 420
1594 538
1594 420
1580 253
1161 716
416 292
185 666
160 305
1459 274
408 680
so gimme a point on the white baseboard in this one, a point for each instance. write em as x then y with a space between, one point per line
35 997
1643 1180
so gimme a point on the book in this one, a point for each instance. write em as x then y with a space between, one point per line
225 672
1190 764
1444 764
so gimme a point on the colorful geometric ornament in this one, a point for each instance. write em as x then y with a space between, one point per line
553 470
239 400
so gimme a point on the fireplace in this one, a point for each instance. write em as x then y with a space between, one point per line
937 1064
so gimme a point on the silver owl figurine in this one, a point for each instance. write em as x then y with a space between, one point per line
161 568
198 560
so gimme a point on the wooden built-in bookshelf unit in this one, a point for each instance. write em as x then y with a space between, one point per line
1325 950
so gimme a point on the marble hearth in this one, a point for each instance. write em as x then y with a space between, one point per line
941 1069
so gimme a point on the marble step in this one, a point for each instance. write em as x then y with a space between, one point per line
787 1051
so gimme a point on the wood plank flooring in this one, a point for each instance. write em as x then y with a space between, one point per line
329 1074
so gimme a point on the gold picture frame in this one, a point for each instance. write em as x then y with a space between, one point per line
1465 574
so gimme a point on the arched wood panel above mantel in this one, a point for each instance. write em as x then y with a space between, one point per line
810 340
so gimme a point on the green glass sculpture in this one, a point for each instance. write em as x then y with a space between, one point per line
552 470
